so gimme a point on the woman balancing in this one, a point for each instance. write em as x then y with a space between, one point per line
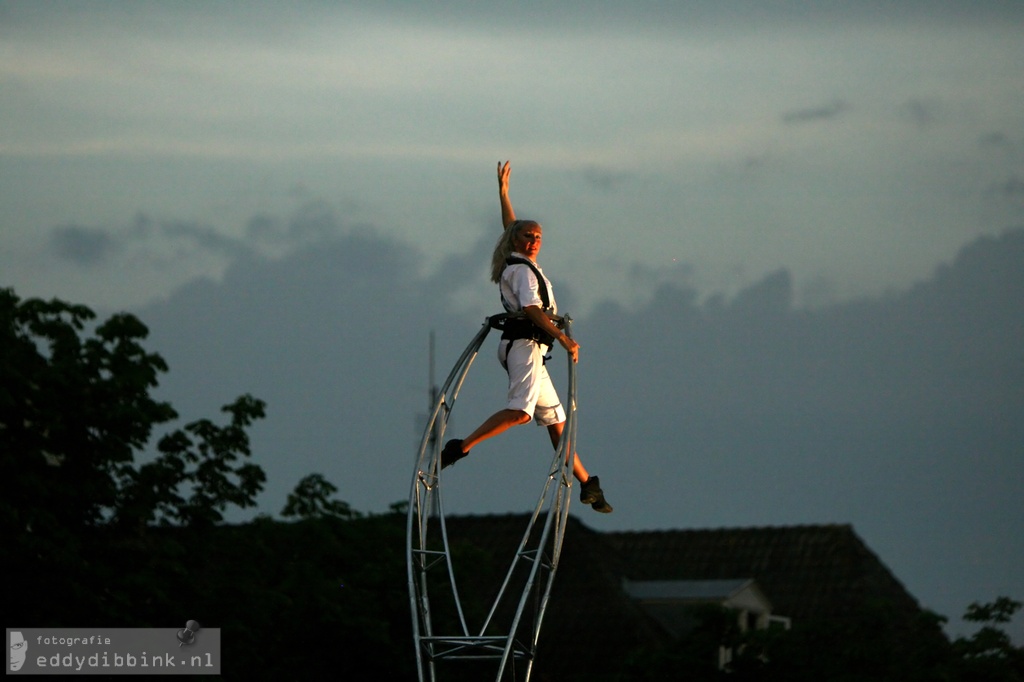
524 341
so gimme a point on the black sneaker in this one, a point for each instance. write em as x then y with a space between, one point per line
591 493
452 453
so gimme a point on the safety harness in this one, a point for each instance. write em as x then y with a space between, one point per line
521 327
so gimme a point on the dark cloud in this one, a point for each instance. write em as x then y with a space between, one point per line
819 291
314 219
772 296
85 246
91 246
459 271
264 228
902 415
643 278
146 237
206 239
822 113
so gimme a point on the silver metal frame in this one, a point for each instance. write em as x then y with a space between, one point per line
538 552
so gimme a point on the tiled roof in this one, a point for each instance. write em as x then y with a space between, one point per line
807 573
687 590
804 571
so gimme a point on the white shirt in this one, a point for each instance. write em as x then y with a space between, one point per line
519 287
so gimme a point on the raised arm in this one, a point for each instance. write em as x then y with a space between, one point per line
507 214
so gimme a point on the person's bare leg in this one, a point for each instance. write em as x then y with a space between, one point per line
499 422
578 470
593 496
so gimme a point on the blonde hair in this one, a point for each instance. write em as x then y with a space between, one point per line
506 245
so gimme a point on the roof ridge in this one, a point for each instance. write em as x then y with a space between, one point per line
645 531
719 529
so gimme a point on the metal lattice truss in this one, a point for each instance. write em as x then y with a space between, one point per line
511 629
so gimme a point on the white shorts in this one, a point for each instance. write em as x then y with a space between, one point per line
529 387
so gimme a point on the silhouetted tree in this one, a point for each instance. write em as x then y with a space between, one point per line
312 499
75 411
989 654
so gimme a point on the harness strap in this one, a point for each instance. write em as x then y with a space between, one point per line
521 327
545 297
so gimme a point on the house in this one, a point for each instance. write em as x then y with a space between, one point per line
620 595
671 602
675 605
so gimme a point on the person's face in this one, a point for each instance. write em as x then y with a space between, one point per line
19 648
527 242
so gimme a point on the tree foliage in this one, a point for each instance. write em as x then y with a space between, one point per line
989 654
76 410
199 472
77 417
312 498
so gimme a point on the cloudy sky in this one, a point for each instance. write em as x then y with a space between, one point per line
855 143
773 222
